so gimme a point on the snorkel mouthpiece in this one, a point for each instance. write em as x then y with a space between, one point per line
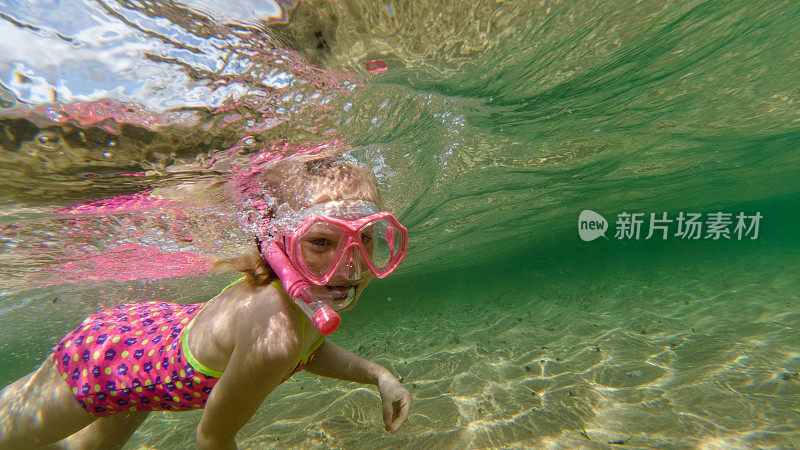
323 316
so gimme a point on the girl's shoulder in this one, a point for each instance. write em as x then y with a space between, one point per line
241 315
245 307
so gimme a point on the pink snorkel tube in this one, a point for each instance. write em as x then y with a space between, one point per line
323 316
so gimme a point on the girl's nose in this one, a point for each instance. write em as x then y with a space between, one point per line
350 267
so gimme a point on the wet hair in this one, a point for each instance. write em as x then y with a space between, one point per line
303 181
298 181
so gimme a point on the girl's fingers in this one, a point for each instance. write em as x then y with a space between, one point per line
401 410
387 414
396 406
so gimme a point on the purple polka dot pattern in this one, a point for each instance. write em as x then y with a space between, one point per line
129 358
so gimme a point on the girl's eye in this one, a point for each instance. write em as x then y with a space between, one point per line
366 239
320 242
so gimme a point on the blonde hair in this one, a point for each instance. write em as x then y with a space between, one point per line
299 181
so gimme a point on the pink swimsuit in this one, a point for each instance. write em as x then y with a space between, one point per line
134 357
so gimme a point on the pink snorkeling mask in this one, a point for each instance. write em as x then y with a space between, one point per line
322 247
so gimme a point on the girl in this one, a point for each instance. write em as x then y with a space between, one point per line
228 354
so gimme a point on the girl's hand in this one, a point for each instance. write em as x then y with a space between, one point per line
335 362
396 402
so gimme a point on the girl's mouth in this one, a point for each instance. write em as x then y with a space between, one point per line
338 297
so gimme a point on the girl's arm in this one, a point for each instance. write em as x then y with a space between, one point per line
256 367
335 362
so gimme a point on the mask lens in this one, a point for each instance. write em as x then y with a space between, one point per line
318 247
381 242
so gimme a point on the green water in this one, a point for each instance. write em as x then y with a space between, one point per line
494 127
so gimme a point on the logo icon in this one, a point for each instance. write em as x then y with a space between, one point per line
591 225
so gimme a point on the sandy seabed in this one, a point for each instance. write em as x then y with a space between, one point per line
701 356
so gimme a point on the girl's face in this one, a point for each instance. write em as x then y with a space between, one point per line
319 246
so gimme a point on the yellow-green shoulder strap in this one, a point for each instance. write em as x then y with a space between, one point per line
316 345
303 357
231 285
185 343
